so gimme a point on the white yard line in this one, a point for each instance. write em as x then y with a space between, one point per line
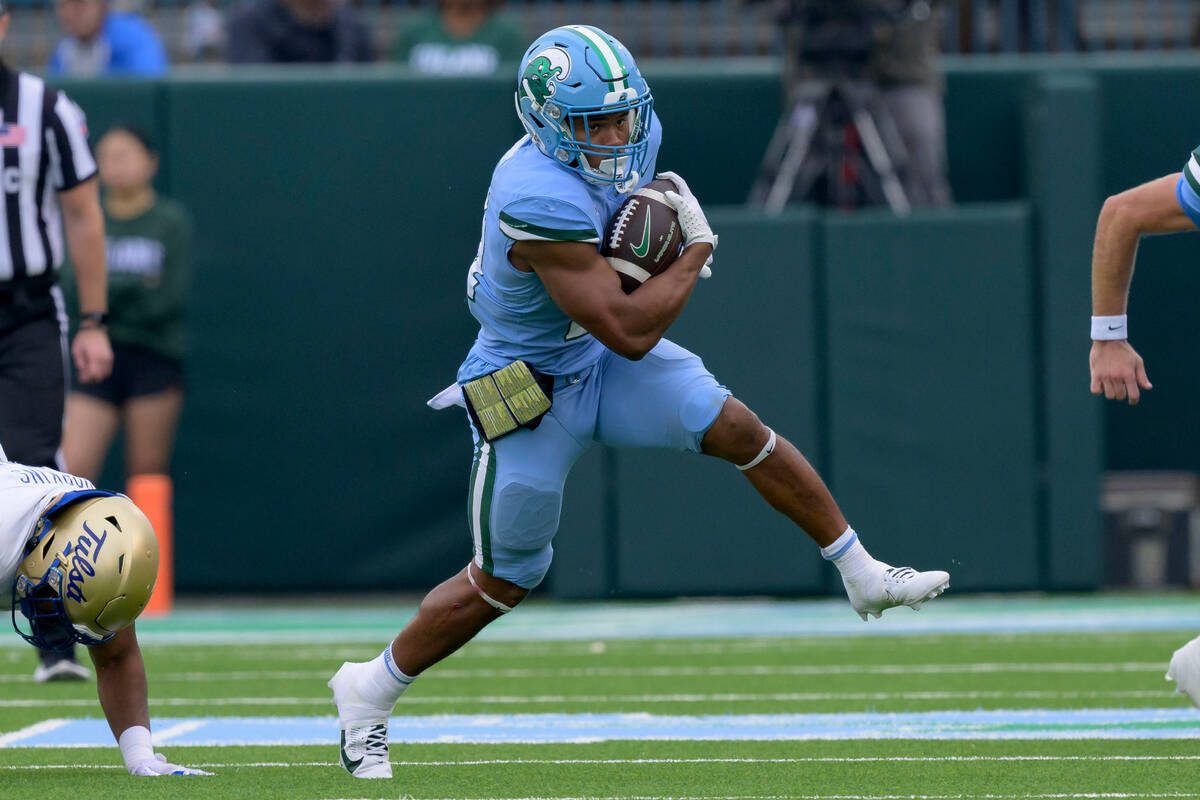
756 670
163 735
36 729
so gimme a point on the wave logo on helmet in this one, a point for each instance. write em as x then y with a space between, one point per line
82 555
539 81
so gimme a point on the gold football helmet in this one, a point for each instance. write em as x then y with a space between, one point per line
87 573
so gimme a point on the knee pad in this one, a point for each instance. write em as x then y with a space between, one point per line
524 521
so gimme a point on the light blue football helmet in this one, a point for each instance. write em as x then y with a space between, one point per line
570 74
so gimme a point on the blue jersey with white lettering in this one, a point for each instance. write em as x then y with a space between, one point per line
1188 188
532 198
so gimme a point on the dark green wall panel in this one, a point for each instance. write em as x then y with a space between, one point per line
691 524
932 390
1063 146
334 232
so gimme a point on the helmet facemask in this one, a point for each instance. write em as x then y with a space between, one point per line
620 165
42 606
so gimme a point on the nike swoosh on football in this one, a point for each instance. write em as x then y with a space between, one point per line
350 765
643 248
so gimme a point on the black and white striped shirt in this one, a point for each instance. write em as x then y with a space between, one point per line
43 136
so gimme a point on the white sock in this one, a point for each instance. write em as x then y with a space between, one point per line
382 681
848 555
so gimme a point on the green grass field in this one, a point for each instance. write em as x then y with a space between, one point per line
257 675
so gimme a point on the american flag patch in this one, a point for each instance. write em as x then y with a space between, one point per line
12 136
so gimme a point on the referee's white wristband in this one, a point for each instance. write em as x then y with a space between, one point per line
1107 328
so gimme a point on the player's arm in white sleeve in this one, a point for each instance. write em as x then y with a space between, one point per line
1160 206
121 685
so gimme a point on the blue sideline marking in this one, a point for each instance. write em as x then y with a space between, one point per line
1144 723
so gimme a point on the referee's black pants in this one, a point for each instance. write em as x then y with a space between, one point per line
33 389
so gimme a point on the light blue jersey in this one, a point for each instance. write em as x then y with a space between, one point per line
1188 188
533 198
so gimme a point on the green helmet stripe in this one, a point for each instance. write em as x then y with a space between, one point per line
610 61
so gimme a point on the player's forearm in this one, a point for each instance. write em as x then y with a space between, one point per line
1113 254
85 238
121 682
658 302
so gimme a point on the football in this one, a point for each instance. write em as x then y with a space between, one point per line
643 237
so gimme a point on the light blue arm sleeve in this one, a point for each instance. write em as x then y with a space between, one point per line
1188 188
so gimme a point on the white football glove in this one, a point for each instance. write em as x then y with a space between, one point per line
158 766
692 221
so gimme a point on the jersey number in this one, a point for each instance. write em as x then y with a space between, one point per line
476 270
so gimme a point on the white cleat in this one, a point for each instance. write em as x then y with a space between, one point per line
62 669
364 745
1185 670
887 587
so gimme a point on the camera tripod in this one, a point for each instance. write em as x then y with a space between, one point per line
834 130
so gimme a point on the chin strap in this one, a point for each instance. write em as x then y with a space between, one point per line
768 448
491 601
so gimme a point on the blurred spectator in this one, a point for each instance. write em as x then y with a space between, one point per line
203 31
905 65
102 41
297 31
149 270
460 37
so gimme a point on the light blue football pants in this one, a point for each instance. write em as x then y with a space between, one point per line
667 399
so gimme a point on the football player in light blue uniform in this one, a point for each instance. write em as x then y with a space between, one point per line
548 303
1169 204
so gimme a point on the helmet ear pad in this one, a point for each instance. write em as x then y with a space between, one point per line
545 133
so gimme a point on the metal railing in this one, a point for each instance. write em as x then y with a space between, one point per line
713 28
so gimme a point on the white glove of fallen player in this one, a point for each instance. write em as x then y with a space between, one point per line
158 766
692 221
1185 670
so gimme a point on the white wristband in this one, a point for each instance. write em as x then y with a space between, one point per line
1107 328
135 746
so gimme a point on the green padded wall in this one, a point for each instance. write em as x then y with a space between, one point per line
1063 147
335 225
931 406
690 524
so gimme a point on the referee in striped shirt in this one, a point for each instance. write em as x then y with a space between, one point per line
49 188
